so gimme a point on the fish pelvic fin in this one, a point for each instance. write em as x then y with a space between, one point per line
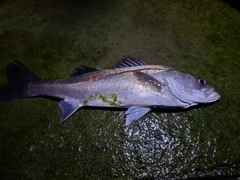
134 113
19 78
68 108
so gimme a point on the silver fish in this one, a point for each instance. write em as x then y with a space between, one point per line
129 84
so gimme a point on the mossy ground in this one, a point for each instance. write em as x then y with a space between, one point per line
53 37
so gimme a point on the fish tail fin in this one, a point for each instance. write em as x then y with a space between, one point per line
19 77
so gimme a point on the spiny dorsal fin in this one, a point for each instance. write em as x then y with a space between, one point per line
128 61
82 70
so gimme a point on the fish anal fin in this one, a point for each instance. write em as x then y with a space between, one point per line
134 113
68 108
149 82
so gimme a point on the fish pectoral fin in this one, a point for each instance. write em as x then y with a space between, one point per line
149 82
68 108
135 112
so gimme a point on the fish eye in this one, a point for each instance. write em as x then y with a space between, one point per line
202 81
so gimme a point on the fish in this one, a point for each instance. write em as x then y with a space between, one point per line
130 84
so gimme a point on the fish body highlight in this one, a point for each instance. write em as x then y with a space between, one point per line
129 84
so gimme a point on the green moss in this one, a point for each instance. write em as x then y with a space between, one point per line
113 100
84 102
92 97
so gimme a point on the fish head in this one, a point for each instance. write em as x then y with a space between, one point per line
189 89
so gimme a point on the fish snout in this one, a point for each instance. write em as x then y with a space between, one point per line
208 91
210 94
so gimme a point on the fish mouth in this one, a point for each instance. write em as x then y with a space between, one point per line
211 94
208 92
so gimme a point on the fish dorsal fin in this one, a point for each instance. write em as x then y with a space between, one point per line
83 70
128 61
